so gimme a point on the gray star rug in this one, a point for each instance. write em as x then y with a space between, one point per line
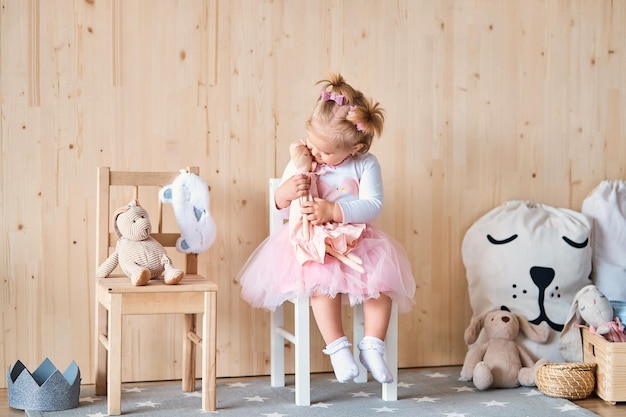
420 393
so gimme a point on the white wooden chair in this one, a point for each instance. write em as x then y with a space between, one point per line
300 336
116 297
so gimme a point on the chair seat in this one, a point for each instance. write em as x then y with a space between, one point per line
190 283
186 297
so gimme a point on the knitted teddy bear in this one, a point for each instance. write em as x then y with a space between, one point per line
138 254
501 362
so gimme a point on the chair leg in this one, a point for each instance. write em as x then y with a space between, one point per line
114 396
189 354
277 348
100 366
358 332
390 391
209 346
302 351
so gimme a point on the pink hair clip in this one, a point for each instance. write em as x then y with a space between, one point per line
337 98
359 126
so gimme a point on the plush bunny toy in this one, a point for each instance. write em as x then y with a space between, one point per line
590 307
501 362
139 256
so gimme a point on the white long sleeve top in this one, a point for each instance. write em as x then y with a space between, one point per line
355 184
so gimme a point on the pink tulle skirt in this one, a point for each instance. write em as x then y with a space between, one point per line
273 274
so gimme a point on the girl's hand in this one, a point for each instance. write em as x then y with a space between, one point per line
295 187
320 211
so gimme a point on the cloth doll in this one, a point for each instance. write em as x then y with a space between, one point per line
138 254
501 362
311 243
591 309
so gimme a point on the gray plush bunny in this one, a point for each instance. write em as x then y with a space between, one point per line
590 307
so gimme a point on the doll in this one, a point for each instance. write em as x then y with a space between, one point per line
591 309
303 161
312 243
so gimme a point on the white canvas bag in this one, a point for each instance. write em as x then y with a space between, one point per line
606 208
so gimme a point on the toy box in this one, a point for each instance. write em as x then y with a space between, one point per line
610 358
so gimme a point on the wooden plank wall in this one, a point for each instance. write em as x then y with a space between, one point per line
487 101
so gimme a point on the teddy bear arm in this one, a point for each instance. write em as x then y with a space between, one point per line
525 358
156 256
105 269
474 355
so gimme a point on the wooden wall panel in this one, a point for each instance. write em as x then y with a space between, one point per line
486 101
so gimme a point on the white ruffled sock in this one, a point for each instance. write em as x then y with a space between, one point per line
371 356
342 360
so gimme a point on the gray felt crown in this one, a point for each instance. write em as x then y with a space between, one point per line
46 389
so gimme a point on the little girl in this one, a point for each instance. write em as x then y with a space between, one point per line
350 187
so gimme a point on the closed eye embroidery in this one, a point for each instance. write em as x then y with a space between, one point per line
501 242
575 244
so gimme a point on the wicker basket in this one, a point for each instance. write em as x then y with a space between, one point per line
573 381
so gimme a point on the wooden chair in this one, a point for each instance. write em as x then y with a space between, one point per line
116 297
300 336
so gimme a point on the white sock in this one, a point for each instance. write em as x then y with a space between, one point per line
371 356
342 360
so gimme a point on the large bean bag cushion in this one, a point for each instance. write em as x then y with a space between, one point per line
530 259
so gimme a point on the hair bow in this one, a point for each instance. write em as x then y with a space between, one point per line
359 126
337 98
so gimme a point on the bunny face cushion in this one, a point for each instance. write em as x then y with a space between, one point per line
531 259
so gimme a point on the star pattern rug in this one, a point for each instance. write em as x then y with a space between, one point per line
420 393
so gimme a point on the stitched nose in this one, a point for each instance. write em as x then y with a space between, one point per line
542 277
505 319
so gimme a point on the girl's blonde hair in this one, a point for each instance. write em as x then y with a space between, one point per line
345 116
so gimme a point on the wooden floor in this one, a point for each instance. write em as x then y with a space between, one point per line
601 407
593 403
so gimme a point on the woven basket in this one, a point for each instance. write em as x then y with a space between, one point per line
573 381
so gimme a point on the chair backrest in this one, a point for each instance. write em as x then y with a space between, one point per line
275 217
141 186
